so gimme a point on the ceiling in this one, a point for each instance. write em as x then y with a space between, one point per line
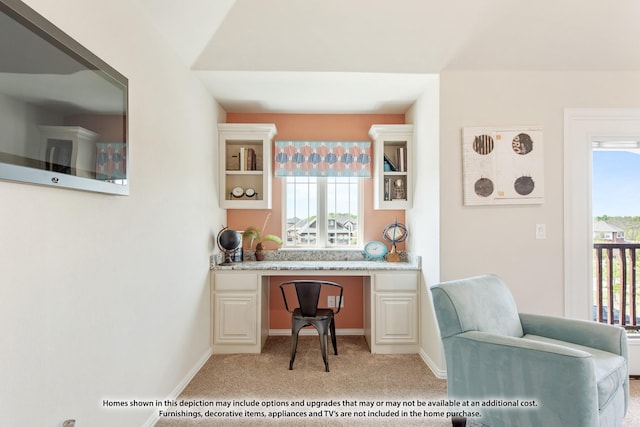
362 56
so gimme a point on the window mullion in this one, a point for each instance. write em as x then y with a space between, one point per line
322 221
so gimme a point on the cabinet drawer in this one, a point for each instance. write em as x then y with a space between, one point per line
236 282
396 282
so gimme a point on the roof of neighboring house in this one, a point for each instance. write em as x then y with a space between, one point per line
303 226
603 227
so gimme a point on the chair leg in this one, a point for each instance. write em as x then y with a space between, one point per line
332 327
325 350
295 330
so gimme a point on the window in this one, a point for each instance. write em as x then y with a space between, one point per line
323 212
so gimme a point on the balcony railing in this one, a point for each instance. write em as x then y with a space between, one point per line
616 279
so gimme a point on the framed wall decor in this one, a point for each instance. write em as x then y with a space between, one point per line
502 165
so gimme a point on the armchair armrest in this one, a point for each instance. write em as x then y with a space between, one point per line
590 334
559 379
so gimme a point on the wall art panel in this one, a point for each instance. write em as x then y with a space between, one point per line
502 165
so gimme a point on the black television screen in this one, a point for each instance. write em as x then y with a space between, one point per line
63 111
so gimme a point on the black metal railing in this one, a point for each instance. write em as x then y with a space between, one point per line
616 279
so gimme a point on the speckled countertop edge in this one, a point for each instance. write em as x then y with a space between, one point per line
320 260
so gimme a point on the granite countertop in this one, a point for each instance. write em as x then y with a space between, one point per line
320 265
320 260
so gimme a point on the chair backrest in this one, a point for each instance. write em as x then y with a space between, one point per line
308 293
482 303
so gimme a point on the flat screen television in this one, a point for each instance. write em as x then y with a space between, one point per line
63 111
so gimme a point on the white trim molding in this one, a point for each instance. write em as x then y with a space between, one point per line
153 419
583 127
439 373
313 331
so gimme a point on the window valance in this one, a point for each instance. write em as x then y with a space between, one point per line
323 158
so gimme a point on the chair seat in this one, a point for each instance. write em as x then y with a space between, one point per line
610 369
322 313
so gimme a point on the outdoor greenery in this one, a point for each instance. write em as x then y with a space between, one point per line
630 225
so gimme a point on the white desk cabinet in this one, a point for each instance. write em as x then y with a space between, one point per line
393 327
237 304
240 303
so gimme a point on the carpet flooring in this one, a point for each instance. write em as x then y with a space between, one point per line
362 389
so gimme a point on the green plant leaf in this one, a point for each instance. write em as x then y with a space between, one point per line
273 238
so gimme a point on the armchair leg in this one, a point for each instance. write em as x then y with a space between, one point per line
458 422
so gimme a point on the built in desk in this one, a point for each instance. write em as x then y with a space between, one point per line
240 300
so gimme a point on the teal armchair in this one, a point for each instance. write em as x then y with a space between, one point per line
511 369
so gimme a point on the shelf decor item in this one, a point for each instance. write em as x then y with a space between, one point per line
253 234
394 233
374 251
229 241
399 192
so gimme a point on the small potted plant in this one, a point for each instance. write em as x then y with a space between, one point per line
254 235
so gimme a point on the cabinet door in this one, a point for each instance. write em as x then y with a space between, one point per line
396 318
395 312
235 319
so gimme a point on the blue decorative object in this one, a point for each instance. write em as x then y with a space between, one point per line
375 251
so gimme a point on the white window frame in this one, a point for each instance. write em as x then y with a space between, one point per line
322 219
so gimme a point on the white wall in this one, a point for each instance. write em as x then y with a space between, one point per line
106 297
423 220
501 239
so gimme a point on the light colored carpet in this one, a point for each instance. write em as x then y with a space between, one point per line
356 376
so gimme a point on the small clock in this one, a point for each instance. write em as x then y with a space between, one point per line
375 250
237 192
249 192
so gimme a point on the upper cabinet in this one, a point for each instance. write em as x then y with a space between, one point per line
245 165
393 166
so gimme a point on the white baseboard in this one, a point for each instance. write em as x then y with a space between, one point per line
153 419
313 331
439 373
634 356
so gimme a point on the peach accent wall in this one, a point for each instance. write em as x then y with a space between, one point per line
350 316
327 127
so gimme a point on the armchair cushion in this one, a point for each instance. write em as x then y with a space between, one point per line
477 304
610 369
